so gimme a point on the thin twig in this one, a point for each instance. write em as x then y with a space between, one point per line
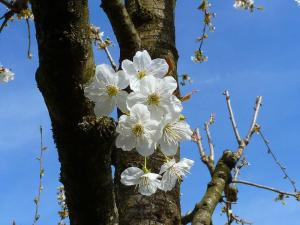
109 56
200 145
206 160
232 119
292 194
210 142
40 187
255 115
282 168
29 55
253 128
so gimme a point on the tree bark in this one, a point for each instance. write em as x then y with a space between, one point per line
83 141
153 21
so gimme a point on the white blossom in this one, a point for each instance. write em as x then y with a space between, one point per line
6 75
174 131
157 95
147 183
106 92
173 171
243 4
298 2
138 131
143 66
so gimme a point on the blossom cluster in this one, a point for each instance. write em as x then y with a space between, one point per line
5 75
244 4
152 117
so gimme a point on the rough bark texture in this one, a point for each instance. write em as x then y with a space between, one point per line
154 23
83 142
221 177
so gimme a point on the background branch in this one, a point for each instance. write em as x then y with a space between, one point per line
294 194
123 27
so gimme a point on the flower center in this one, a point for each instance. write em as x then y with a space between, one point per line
138 130
141 74
112 90
153 99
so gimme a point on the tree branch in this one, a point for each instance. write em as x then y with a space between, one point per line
253 128
292 194
232 119
206 160
123 27
210 143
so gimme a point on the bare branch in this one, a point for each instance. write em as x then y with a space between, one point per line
210 143
41 174
123 26
232 119
206 160
292 194
255 115
282 168
253 128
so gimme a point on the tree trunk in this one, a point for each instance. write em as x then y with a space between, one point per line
154 23
83 142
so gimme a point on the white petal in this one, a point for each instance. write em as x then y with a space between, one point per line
166 166
123 79
158 68
129 68
104 106
106 75
121 101
126 143
144 146
135 98
135 83
142 60
149 85
185 163
149 183
183 130
168 85
168 148
131 176
140 112
168 181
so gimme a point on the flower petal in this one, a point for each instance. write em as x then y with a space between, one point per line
131 176
142 60
121 101
104 105
168 148
129 68
158 68
144 146
123 79
126 143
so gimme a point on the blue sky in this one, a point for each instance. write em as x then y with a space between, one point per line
249 53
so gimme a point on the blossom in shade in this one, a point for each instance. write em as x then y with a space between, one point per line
174 131
6 75
105 90
173 171
146 182
157 95
138 130
143 66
